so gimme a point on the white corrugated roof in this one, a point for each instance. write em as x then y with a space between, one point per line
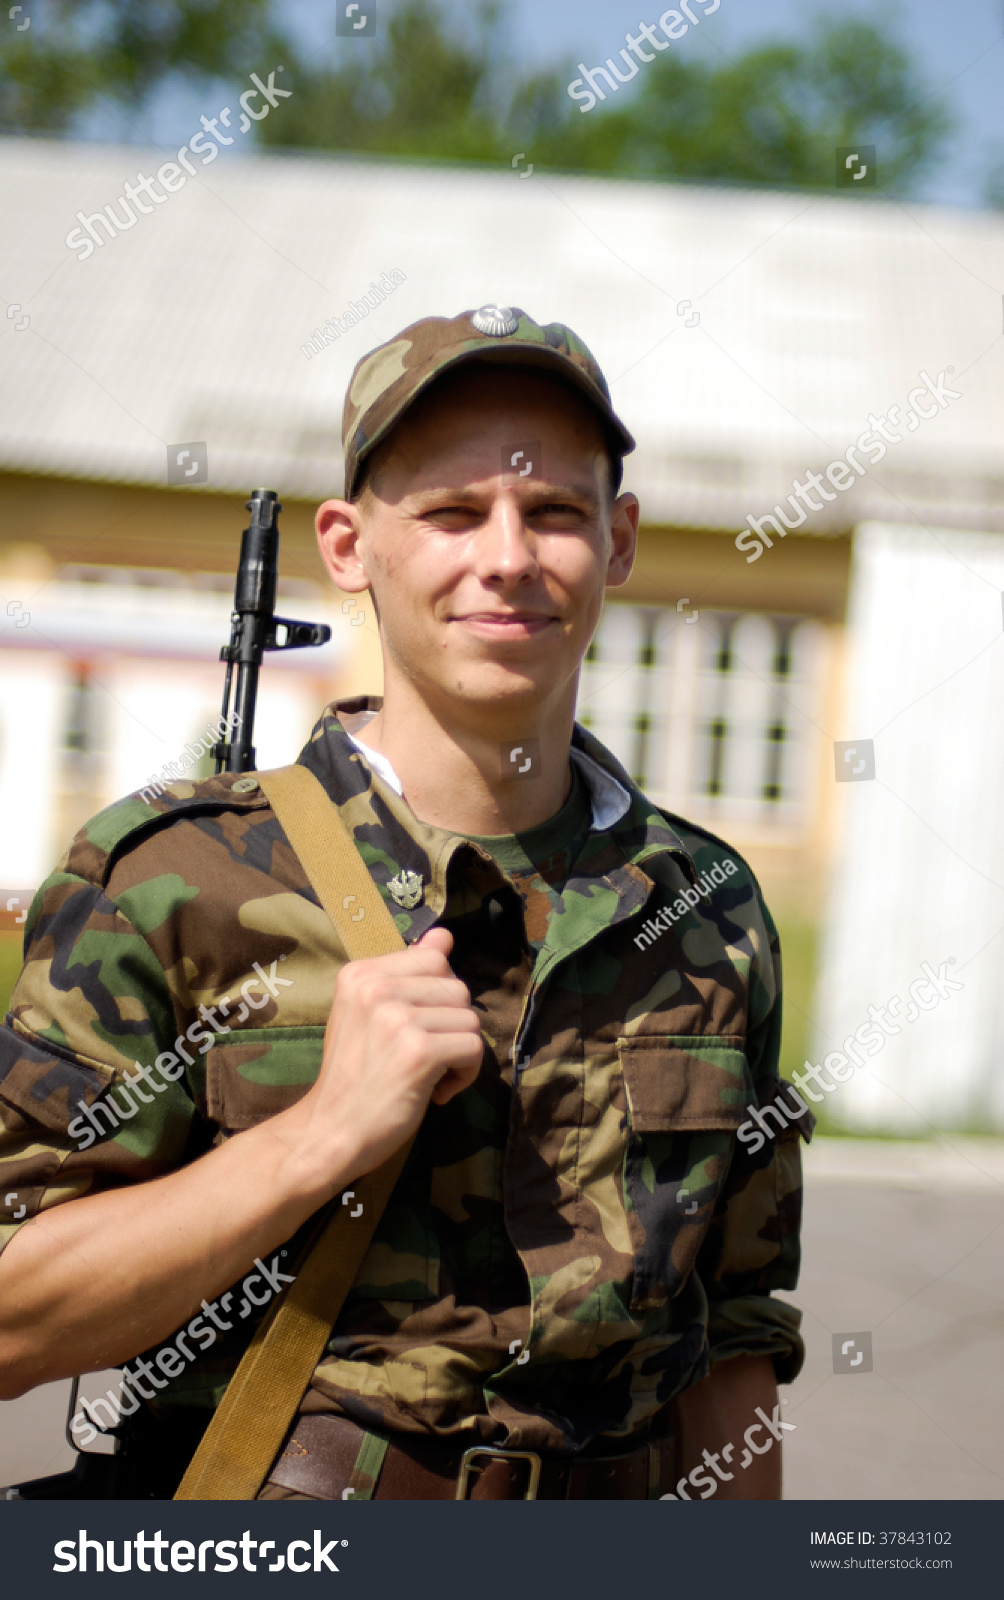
814 312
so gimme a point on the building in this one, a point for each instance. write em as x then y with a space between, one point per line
768 350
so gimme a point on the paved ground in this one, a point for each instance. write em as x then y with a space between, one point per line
905 1242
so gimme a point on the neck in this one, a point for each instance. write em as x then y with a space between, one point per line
451 770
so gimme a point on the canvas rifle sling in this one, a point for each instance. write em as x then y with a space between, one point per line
264 1394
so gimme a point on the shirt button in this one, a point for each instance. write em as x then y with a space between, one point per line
244 786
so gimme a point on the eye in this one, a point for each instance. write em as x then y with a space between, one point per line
559 510
452 515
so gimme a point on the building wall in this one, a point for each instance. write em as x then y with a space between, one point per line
913 953
129 525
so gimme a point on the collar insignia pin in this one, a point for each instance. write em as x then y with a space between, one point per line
406 889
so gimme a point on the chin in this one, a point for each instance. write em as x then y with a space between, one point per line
496 685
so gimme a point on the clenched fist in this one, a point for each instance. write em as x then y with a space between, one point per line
402 1032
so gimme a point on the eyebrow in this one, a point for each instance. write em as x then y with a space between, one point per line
544 492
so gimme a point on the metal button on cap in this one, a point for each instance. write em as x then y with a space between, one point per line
245 786
497 321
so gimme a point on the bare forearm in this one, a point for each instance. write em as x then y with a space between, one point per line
714 1415
95 1281
91 1283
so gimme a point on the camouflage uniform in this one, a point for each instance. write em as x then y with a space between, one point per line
586 1197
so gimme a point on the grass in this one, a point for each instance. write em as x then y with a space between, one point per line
799 941
10 964
799 950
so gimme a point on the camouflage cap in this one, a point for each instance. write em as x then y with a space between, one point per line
390 378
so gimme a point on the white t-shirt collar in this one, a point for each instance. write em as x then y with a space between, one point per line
609 799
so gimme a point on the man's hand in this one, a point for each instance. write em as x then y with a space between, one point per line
402 1032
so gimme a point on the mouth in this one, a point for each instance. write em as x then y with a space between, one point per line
506 624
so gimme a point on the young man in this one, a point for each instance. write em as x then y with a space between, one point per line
588 1000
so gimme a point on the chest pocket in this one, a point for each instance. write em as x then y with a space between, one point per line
686 1097
255 1073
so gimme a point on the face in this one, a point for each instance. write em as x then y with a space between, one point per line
488 582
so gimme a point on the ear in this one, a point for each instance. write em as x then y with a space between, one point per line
624 538
339 530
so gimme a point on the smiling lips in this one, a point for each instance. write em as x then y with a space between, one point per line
506 624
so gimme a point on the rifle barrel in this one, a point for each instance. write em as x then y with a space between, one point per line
253 626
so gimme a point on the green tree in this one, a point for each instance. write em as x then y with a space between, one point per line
76 53
772 115
47 72
421 88
436 84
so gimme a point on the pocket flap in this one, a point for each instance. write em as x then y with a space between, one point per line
259 1072
677 1082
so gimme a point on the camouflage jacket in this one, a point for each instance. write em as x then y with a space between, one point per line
578 1233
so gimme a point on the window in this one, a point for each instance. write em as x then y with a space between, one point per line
712 714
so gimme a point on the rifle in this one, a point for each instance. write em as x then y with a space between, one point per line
148 1460
254 628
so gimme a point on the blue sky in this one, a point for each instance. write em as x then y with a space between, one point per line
959 48
958 45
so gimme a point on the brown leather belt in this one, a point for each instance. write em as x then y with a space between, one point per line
320 1455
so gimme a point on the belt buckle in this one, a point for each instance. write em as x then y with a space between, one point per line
467 1467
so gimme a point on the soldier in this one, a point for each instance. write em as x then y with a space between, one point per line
576 1267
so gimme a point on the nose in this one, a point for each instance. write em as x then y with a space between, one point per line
506 547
